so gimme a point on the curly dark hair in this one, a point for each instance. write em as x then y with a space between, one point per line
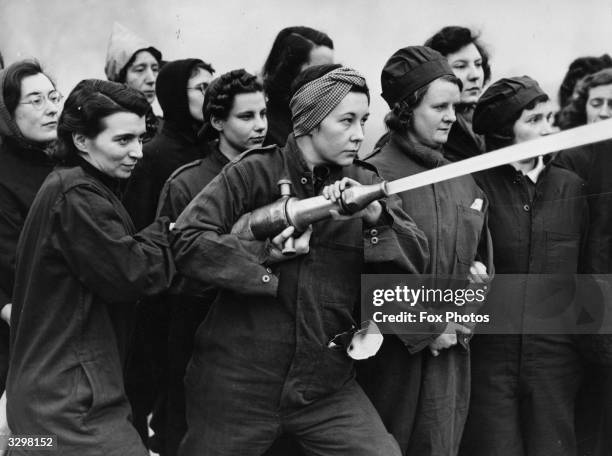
290 50
219 97
399 119
579 69
87 105
452 38
574 113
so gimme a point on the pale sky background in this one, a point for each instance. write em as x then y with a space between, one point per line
534 37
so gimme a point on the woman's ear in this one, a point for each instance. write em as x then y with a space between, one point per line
314 130
217 123
81 142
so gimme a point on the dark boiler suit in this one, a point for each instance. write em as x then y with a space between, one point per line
261 363
80 270
185 310
422 399
593 163
524 384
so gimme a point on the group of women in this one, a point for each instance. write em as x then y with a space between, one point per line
116 313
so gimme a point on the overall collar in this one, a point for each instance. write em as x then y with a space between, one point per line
534 174
185 133
31 152
427 156
216 154
117 186
297 157
464 120
299 168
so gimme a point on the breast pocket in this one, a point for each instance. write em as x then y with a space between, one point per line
469 229
562 251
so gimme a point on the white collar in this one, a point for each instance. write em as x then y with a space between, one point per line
534 174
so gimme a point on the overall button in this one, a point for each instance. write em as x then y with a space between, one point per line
265 278
304 181
374 232
269 271
526 207
374 240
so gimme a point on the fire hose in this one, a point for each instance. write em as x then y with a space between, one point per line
270 220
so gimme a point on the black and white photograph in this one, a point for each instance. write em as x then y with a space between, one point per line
306 228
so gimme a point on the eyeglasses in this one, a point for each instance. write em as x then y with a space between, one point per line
201 87
38 101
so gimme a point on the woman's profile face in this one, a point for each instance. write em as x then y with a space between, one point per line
118 147
533 123
433 118
319 55
38 109
467 66
599 103
196 88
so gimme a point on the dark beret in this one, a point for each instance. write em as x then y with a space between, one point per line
503 102
409 69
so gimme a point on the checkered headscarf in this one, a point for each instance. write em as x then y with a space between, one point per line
316 99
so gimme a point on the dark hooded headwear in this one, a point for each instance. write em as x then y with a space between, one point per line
409 69
8 127
171 90
502 103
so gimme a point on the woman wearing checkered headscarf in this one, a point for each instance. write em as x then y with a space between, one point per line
263 363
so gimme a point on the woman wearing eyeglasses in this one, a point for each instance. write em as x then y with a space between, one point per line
29 108
181 85
180 88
